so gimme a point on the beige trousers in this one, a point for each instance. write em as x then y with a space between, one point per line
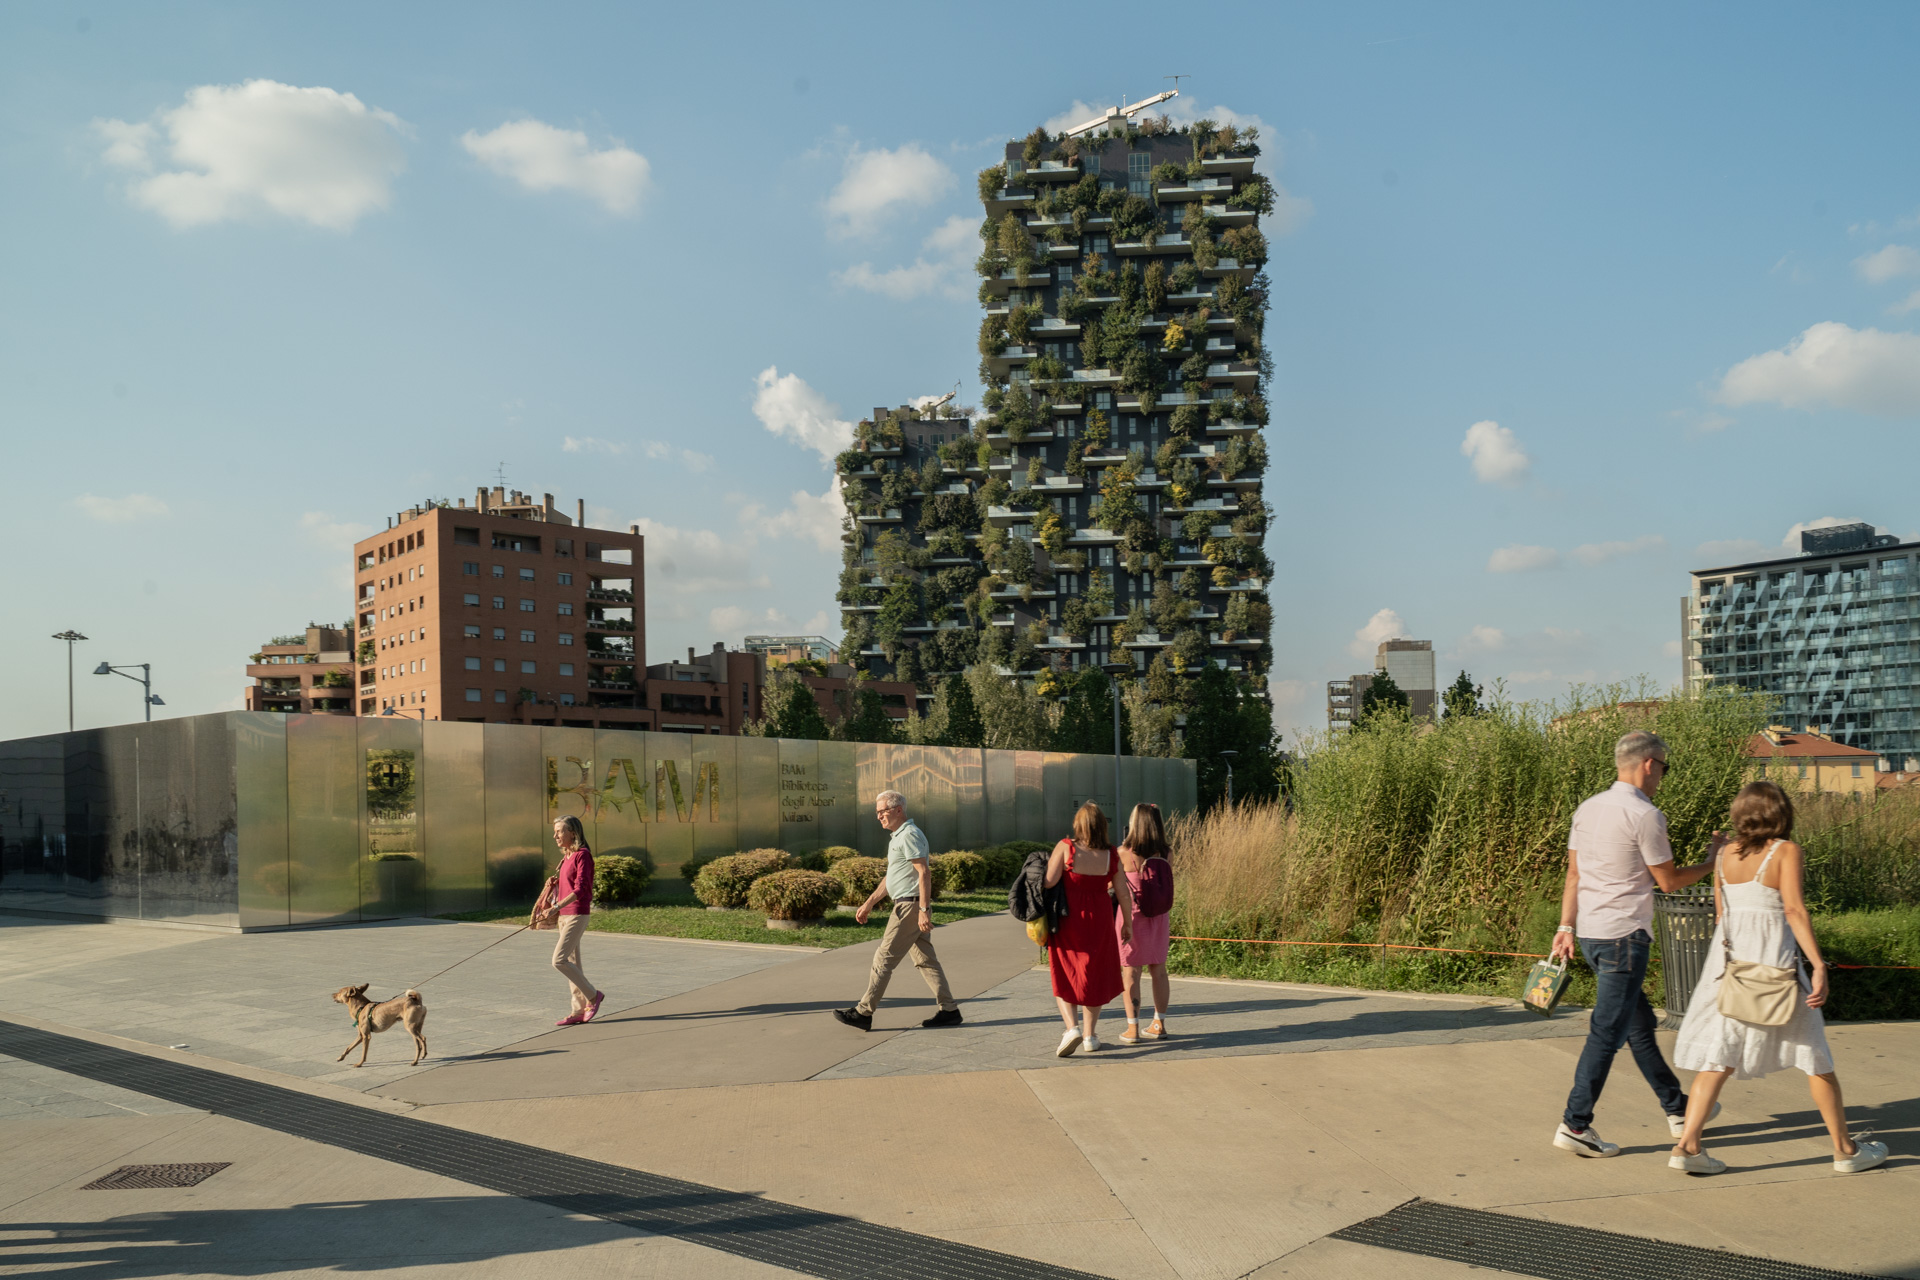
903 935
566 958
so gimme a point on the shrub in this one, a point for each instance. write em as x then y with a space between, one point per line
837 853
958 871
1002 864
619 878
724 882
858 878
812 860
691 867
794 895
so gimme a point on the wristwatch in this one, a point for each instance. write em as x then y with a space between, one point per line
1565 928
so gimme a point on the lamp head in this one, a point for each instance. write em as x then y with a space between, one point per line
103 670
1226 755
155 700
1117 669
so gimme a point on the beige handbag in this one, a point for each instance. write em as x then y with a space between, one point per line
1760 995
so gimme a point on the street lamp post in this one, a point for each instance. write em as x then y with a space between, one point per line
1226 758
148 698
1114 671
69 636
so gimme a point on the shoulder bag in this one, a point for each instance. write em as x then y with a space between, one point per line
1760 995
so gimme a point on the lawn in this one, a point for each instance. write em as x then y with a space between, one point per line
668 909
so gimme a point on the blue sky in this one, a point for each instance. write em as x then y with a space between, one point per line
268 275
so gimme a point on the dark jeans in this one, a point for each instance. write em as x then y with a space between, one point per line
1621 1015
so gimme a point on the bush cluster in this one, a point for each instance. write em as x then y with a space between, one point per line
725 882
838 853
858 877
619 878
797 894
958 871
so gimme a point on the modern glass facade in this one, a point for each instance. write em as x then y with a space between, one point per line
1834 637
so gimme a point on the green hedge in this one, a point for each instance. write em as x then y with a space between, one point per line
620 878
724 882
858 878
958 871
794 895
1890 937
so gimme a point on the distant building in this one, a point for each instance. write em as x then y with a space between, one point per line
1815 760
1409 662
780 650
1830 634
719 691
313 673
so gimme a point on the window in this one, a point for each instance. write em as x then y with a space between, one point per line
473 664
1100 245
473 695
499 602
566 699
499 571
470 568
563 546
566 637
469 536
499 633
473 632
515 542
566 610
1139 174
526 637
1856 770
566 668
499 664
527 669
1064 273
471 598
499 695
566 579
526 575
410 574
526 605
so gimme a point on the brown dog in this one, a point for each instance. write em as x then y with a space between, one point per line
406 1007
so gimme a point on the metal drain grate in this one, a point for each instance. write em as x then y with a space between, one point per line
1531 1247
745 1225
138 1177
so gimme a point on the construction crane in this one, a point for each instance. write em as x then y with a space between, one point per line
1119 115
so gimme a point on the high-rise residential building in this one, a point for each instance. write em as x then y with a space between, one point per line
507 611
1832 633
1409 662
1108 505
313 672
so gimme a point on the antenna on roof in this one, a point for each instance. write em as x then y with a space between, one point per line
500 474
1119 115
1176 80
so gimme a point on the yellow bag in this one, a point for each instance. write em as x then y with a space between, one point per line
1039 930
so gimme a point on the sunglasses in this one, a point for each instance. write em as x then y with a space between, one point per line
1665 768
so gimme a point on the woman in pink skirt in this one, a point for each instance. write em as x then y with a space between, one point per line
1147 949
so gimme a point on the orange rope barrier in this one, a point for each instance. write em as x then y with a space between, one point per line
1458 951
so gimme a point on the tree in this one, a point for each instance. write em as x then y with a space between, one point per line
1226 715
1086 718
793 712
1381 693
1463 697
869 721
964 725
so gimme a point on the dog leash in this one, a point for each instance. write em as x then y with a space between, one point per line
457 963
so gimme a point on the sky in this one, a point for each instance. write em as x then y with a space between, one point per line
1567 300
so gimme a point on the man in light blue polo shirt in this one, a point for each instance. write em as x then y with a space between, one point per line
909 882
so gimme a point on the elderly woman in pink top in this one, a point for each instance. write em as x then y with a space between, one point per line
573 902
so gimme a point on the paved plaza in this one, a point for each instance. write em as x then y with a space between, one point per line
1285 1130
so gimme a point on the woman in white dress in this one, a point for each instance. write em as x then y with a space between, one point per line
1763 920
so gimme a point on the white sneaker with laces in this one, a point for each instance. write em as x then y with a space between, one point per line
1868 1155
1091 1044
1068 1043
1585 1143
1677 1125
1698 1162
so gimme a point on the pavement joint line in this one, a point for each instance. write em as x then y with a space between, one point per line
816 1243
793 948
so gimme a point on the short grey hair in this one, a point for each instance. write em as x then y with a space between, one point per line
1637 746
890 800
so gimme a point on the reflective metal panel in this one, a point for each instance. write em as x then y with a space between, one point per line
326 782
969 797
941 806
392 870
1086 781
670 757
1029 797
839 773
572 786
873 773
118 749
516 815
1056 794
33 823
1003 815
453 818
715 795
1133 790
188 822
800 794
623 816
260 794
755 794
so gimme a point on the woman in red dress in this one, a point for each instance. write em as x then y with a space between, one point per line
1084 953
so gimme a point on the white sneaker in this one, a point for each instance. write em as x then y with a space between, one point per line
1068 1043
1869 1155
1091 1044
1699 1162
1583 1144
1677 1125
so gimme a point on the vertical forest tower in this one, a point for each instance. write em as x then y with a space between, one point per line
1106 507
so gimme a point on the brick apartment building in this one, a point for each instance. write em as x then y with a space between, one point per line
314 674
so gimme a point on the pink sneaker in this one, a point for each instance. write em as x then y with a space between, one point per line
572 1020
593 1009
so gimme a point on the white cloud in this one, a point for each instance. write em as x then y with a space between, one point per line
590 444
1890 263
1496 456
876 183
697 561
135 506
1593 553
1910 303
323 530
1520 558
311 154
1384 625
732 622
1564 635
787 406
942 267
1485 639
542 158
816 518
660 451
1671 648
1834 365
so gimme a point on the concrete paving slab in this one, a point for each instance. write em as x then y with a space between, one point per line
1117 1248
770 1025
1345 1260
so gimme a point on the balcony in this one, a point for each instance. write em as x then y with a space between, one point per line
1191 189
1245 584
1228 166
1062 643
1021 593
1230 267
1172 242
1039 276
1146 640
1052 327
1229 216
890 516
609 624
1244 376
1193 299
606 595
1053 171
1009 198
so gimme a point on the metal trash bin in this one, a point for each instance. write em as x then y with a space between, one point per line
1685 924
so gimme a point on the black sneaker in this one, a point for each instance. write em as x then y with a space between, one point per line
944 1018
855 1018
